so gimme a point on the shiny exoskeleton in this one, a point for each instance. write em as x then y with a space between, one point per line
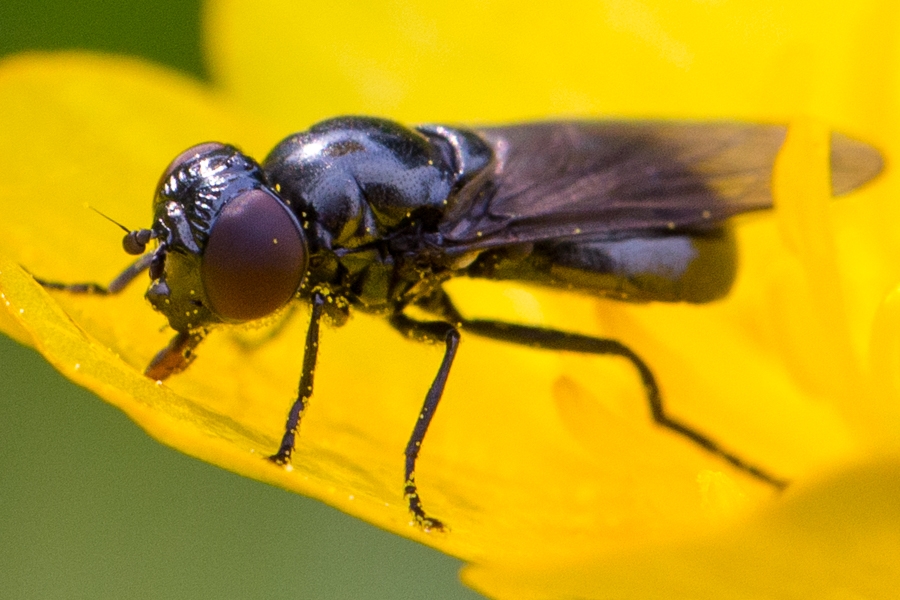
365 214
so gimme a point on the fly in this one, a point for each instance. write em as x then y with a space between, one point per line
366 214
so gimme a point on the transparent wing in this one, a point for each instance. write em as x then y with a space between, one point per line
610 179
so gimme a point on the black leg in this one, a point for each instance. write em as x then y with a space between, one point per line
552 339
283 456
434 331
115 286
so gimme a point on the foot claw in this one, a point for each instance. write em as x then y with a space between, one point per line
429 524
420 519
280 459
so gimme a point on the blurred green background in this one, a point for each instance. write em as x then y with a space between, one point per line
91 507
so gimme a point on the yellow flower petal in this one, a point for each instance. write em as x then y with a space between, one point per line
472 61
836 540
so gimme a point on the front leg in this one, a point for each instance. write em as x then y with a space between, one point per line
432 331
115 286
304 392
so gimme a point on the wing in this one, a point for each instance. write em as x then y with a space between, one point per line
615 179
557 180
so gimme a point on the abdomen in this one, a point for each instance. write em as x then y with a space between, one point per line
684 267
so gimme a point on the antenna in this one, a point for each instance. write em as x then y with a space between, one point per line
108 218
135 240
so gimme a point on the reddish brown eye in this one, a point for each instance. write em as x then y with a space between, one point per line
255 258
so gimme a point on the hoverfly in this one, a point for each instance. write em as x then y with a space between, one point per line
366 214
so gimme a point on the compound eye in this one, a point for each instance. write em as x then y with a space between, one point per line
189 154
255 258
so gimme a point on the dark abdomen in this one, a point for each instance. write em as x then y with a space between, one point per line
684 267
